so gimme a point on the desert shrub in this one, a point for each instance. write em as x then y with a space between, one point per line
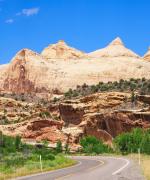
141 86
45 114
55 99
4 121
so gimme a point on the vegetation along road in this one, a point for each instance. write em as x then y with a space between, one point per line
95 168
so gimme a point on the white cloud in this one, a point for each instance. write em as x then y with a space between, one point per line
25 12
9 21
18 14
28 12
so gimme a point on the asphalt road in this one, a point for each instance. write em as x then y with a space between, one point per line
93 168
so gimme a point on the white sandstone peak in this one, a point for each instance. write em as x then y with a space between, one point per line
114 49
61 50
117 41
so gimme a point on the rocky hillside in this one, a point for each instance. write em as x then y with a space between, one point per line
60 67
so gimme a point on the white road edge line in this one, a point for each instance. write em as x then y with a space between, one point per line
123 167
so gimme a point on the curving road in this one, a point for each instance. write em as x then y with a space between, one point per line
93 168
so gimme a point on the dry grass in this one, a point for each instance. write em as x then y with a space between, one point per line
145 164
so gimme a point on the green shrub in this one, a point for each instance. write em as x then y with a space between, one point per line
132 141
141 86
91 144
48 157
67 150
18 142
59 148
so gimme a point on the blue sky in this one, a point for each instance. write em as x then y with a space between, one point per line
84 24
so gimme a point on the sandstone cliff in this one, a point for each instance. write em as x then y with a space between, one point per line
31 72
24 73
3 74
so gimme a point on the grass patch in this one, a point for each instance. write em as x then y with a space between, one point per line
19 159
31 167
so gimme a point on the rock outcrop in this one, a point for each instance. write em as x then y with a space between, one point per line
100 115
103 115
115 49
44 130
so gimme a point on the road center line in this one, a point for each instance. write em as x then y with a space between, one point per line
89 169
100 164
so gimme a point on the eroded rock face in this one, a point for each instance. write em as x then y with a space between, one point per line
144 98
38 124
100 115
71 113
45 130
103 115
23 72
3 70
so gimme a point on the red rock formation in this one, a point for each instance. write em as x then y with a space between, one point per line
71 113
45 130
98 115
